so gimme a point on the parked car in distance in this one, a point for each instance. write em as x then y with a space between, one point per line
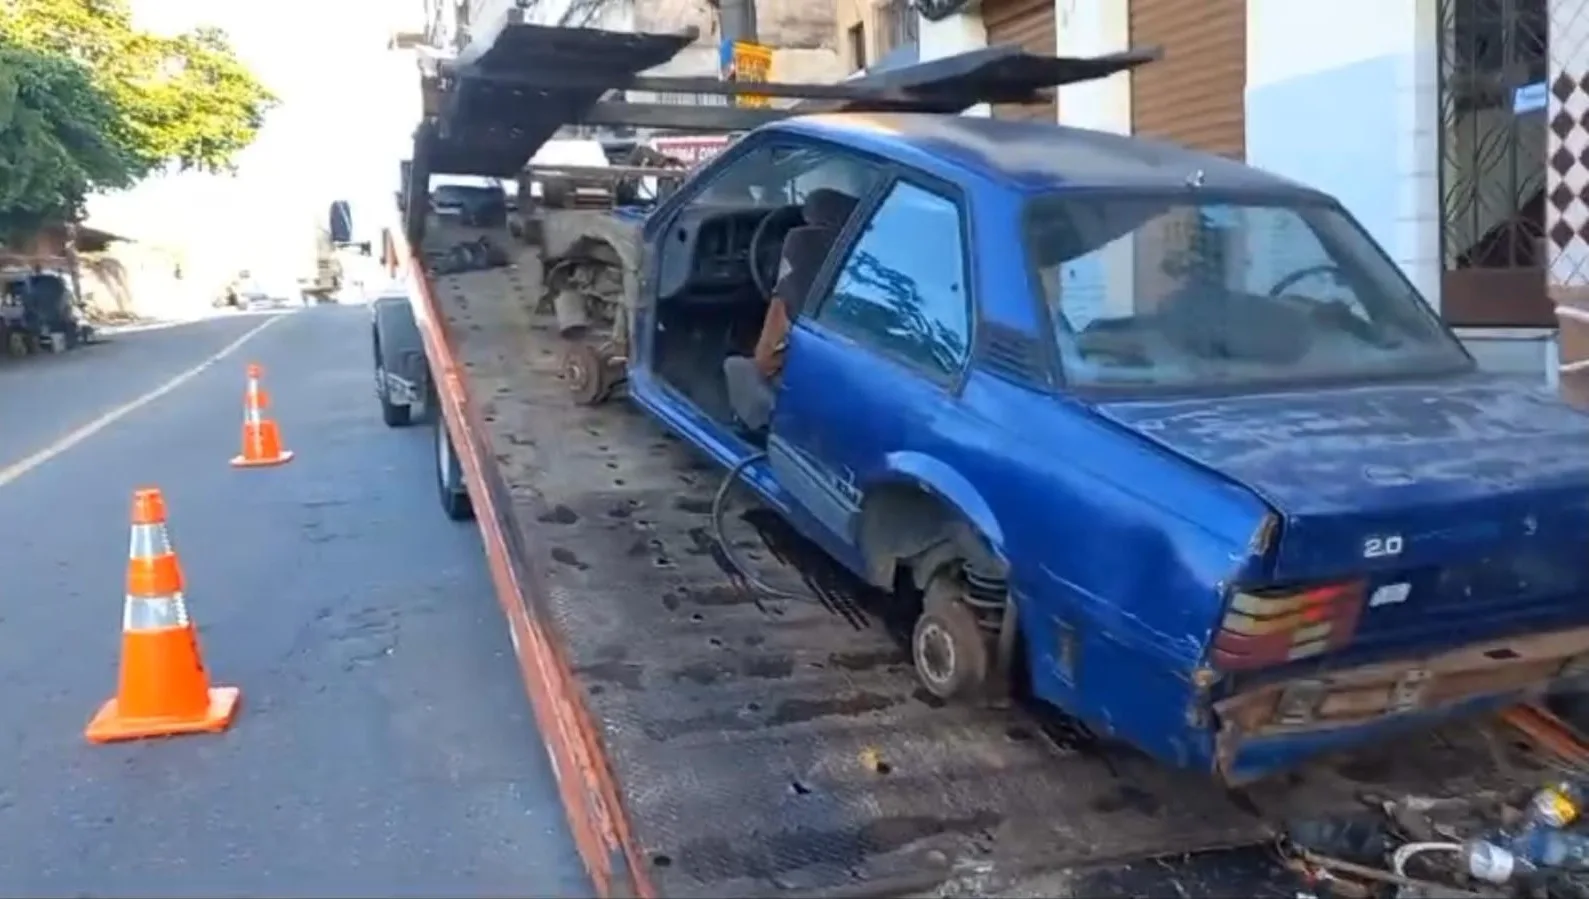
479 202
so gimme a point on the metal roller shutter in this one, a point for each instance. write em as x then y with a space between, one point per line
1194 95
1028 24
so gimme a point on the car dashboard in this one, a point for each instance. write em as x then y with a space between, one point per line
706 255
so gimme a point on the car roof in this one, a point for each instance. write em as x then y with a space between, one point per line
1037 156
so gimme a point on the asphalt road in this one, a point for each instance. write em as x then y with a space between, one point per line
385 746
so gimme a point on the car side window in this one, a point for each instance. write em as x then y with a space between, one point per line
902 289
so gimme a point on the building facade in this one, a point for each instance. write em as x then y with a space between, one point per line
1457 131
801 35
876 35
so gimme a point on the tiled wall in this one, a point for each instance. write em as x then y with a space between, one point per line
1567 189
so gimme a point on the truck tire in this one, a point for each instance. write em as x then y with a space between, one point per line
450 487
947 645
394 415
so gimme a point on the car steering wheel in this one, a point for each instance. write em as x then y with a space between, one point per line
764 253
1326 268
1335 312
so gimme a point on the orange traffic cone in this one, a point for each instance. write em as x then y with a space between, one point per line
163 689
261 439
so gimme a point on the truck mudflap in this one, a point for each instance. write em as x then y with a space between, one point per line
1265 729
713 743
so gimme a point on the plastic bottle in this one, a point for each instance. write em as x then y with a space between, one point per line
1499 859
1558 804
1491 863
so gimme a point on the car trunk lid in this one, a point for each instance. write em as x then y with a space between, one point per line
1463 505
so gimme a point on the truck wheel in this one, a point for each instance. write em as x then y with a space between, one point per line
449 475
395 416
947 645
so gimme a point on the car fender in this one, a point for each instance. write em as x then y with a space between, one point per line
574 234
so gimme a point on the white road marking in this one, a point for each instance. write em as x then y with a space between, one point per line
191 318
18 469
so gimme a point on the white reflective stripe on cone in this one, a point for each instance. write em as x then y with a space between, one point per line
149 541
143 613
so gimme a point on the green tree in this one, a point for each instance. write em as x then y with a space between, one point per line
60 137
183 101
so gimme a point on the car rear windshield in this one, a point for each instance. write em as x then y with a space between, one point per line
1184 291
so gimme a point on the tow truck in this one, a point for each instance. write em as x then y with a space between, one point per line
710 739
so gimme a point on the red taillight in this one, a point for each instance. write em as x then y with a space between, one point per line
1270 627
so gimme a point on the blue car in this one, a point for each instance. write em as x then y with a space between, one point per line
1151 436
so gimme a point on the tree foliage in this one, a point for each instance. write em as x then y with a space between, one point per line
97 104
60 137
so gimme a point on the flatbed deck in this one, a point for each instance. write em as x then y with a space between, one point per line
759 747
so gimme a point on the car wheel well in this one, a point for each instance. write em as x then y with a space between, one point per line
908 530
595 248
592 267
587 257
911 537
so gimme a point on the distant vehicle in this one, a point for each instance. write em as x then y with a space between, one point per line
38 310
584 187
273 292
479 202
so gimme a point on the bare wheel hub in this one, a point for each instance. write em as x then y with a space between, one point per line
576 371
585 369
935 654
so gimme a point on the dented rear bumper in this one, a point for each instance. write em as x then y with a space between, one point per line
1275 726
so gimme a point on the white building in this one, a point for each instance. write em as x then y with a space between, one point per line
1457 131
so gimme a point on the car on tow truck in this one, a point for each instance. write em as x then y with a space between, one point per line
1090 486
1244 503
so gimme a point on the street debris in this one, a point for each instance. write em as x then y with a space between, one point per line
1527 846
467 256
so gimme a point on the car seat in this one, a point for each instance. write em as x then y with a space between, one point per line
806 247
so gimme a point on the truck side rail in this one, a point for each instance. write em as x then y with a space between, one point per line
585 782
